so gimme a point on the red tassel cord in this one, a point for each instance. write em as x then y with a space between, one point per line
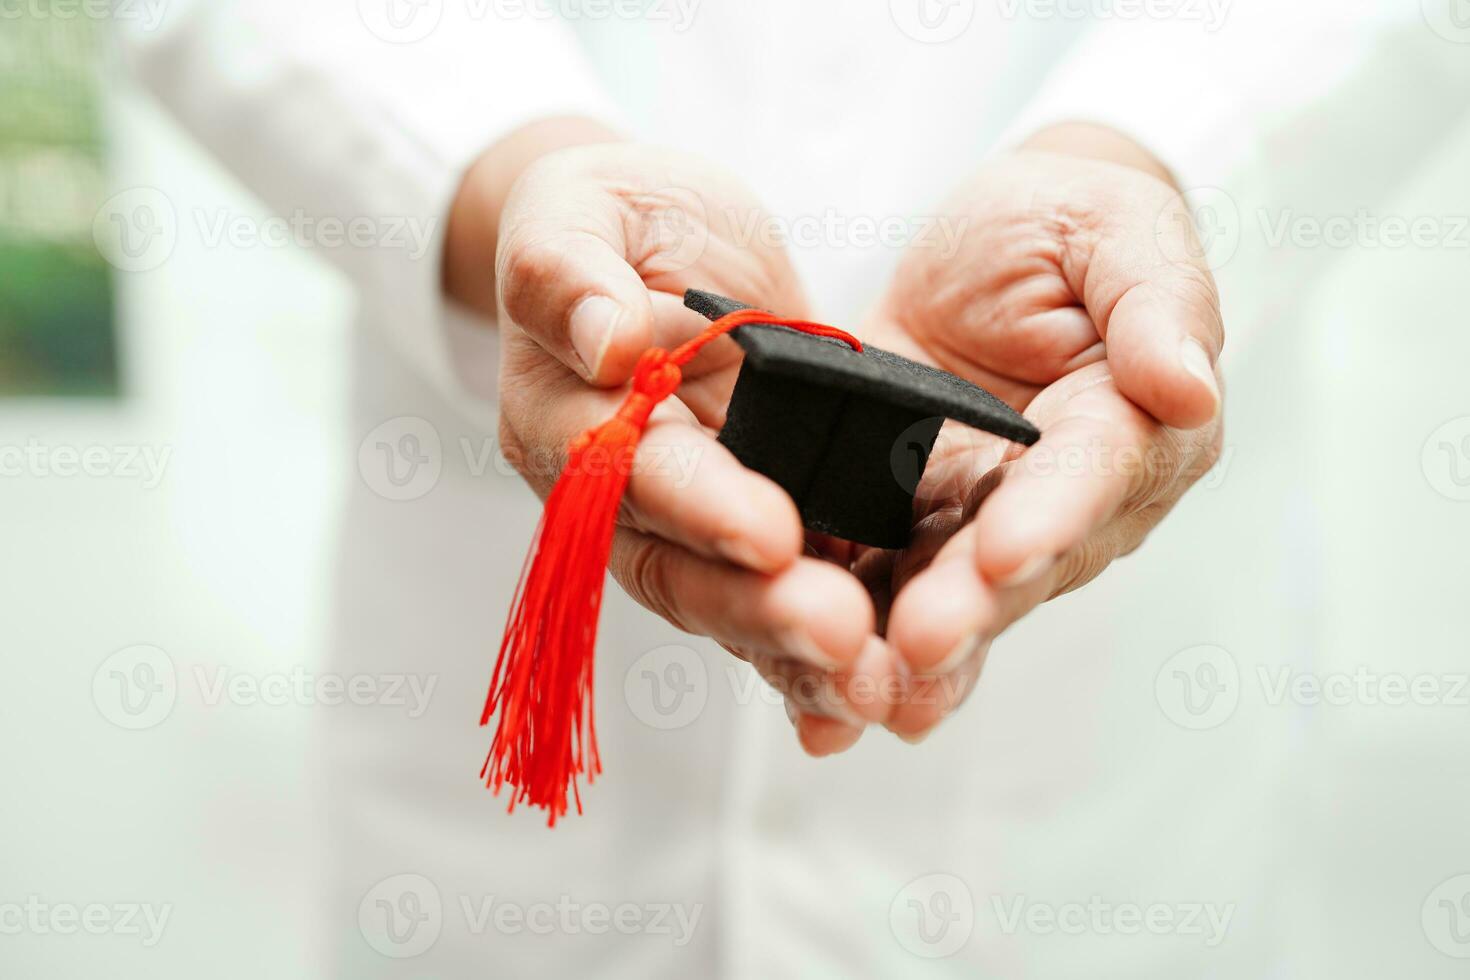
542 685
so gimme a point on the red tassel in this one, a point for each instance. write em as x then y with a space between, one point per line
542 685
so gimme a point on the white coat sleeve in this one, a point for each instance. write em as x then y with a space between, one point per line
1264 110
340 109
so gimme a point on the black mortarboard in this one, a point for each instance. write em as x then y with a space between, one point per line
847 434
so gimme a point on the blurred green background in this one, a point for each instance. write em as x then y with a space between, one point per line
56 305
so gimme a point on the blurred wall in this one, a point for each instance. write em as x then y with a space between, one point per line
208 539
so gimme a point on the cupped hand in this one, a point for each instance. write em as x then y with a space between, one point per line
595 246
1079 295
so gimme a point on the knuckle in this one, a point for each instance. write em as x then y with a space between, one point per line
644 573
1194 286
1199 456
1133 531
528 271
631 516
511 446
1159 468
537 458
1212 451
1081 565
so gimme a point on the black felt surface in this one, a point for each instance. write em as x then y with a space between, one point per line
847 435
875 373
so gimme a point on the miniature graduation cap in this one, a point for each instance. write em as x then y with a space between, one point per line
845 430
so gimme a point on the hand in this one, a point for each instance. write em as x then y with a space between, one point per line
594 248
1078 296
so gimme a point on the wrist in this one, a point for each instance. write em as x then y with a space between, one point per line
1096 142
474 216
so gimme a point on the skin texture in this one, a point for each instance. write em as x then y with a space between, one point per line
1077 295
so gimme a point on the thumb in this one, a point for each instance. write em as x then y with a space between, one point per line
1156 307
563 277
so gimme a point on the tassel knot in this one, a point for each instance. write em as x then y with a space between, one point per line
656 375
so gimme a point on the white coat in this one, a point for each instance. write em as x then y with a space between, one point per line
1129 793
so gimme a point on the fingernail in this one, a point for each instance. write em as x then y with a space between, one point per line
593 325
796 642
793 713
915 738
1030 570
1196 361
835 706
963 651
